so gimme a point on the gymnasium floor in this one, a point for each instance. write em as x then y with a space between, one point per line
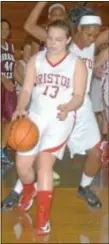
72 220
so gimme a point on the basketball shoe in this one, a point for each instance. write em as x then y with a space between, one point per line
11 201
89 196
28 195
44 202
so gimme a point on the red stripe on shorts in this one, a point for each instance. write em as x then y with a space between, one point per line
98 145
54 149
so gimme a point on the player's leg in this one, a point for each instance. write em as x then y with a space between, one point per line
26 173
83 139
91 167
104 129
45 162
52 147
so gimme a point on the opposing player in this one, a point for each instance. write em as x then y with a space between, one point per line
12 200
7 67
57 95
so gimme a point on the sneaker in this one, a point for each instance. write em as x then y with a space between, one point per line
5 159
44 229
56 176
89 196
40 238
11 201
26 201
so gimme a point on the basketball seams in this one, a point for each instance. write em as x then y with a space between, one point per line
23 131
13 127
31 125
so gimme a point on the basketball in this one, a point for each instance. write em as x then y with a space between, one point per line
23 135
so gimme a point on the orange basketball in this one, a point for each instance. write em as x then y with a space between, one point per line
23 135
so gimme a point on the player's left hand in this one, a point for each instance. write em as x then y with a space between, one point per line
63 111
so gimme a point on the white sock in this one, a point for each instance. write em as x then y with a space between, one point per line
18 187
86 180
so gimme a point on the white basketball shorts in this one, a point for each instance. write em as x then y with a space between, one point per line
86 132
54 134
96 95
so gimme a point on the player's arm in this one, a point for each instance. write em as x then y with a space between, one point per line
19 73
100 61
101 58
102 37
31 25
29 81
80 82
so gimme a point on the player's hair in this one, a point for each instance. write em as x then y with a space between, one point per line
61 24
76 13
6 21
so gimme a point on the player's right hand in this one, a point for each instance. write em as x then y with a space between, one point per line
18 114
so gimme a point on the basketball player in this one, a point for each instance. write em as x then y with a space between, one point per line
33 29
20 67
83 46
102 60
56 96
56 11
96 99
7 67
86 30
96 93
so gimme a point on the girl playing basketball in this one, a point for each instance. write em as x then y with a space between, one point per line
55 98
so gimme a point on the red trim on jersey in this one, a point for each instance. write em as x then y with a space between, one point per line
98 145
54 149
103 90
60 61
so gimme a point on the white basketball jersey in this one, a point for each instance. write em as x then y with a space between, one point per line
54 83
87 54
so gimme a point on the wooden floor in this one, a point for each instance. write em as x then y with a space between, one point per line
72 220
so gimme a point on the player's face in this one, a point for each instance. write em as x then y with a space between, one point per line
27 52
57 40
57 13
5 30
89 34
